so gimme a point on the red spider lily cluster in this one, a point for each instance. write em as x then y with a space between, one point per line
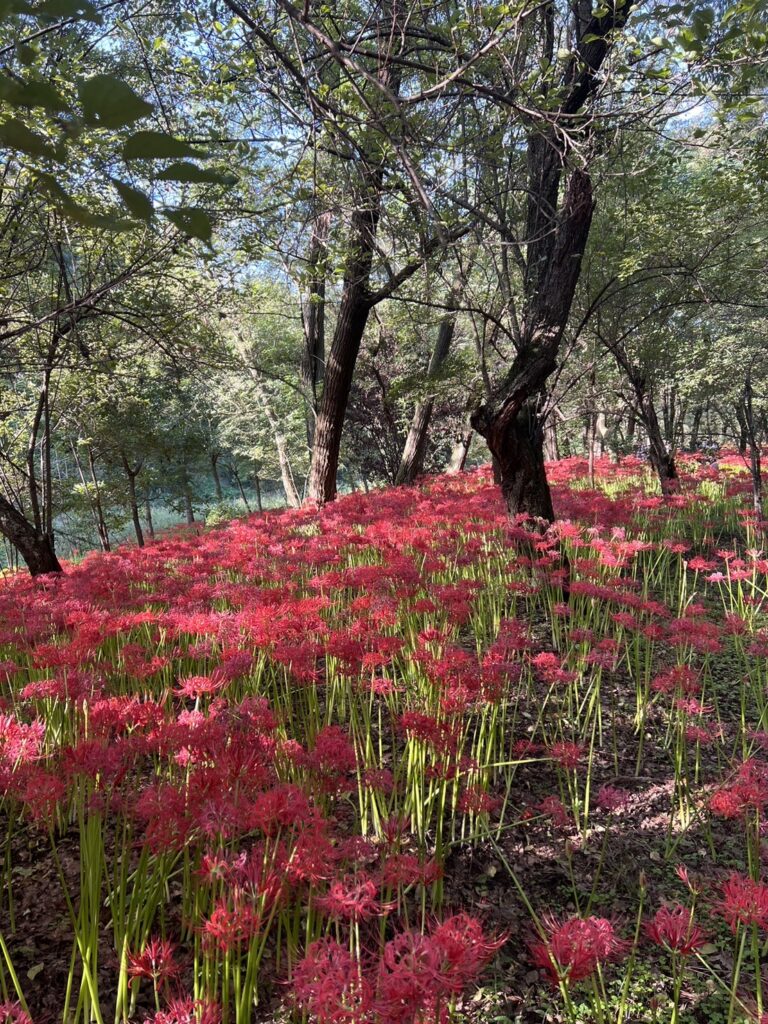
266 742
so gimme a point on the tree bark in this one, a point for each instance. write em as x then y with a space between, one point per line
131 475
281 444
511 424
257 485
148 517
313 315
101 523
34 547
340 366
662 460
693 441
415 448
216 477
460 452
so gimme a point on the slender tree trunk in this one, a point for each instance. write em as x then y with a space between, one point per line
216 476
239 483
281 444
189 510
755 468
551 447
133 501
101 523
257 485
698 412
415 448
313 354
148 517
743 429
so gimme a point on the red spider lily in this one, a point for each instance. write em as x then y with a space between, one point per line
353 899
566 754
155 962
573 948
330 985
673 928
553 807
466 950
186 1010
744 901
612 798
13 1013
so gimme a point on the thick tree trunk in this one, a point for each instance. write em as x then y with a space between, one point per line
415 448
511 424
313 314
34 547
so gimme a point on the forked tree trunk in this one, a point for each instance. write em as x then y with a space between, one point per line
131 475
511 424
35 548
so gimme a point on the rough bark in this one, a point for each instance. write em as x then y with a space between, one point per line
353 314
34 547
662 460
511 424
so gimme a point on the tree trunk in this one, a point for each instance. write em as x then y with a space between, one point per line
101 523
257 485
131 475
693 441
755 469
662 461
551 448
460 452
281 444
148 517
239 483
340 366
34 547
313 315
216 476
415 448
511 423
189 510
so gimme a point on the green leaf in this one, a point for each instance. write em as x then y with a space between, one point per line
151 145
185 171
192 221
14 134
26 54
31 94
136 201
110 103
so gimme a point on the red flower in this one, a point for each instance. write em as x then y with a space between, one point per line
330 986
155 961
673 928
573 948
744 901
